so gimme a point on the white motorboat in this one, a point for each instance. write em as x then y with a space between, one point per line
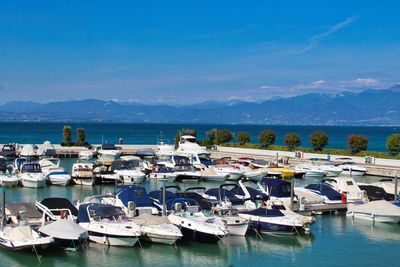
46 150
54 174
347 186
164 151
187 173
162 172
108 225
352 169
108 153
211 174
29 151
82 174
85 155
66 233
375 211
230 216
127 170
311 171
188 145
331 170
22 236
31 175
7 177
195 224
105 175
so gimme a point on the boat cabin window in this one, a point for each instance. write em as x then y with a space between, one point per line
192 209
349 182
33 168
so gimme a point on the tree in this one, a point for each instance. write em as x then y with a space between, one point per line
67 139
192 132
357 143
292 140
219 136
243 137
393 143
81 136
319 140
267 138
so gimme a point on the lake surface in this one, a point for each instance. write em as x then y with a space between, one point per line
335 240
97 133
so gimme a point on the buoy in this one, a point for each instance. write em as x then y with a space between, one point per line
344 200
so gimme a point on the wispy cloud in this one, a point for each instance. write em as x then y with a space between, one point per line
343 24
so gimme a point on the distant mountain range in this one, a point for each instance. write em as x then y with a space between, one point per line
369 107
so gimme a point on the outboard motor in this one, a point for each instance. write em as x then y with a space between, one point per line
178 207
131 209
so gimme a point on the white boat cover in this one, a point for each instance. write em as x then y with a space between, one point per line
64 229
379 207
28 151
20 233
148 219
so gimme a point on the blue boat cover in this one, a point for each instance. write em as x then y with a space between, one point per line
276 187
254 193
97 210
137 194
157 195
264 212
325 190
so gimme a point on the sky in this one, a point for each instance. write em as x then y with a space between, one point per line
181 52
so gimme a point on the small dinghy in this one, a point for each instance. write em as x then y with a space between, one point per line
375 211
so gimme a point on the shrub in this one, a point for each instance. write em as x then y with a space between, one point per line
81 136
243 137
67 139
267 138
292 140
393 143
192 132
357 143
319 140
219 136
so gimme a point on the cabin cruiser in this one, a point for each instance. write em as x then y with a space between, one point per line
9 151
347 186
162 172
108 225
277 189
196 224
82 174
21 236
211 174
230 216
330 170
186 173
352 169
107 153
7 177
164 151
46 150
375 211
188 145
105 175
136 203
127 172
31 175
374 192
54 174
311 171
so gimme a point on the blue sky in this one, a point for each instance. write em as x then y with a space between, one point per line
193 51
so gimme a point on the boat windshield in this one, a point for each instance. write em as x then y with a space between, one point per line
106 212
206 159
32 168
181 160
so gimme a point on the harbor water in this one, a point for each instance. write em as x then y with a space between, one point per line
97 133
335 240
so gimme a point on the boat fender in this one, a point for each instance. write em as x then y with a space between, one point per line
63 214
344 199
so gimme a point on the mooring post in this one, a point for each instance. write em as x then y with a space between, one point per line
3 208
395 186
164 197
292 193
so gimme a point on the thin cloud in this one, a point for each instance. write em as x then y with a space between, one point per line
316 38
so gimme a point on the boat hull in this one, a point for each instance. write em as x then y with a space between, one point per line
374 218
198 236
112 240
237 229
59 180
83 181
32 183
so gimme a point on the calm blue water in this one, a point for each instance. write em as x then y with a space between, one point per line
148 133
335 240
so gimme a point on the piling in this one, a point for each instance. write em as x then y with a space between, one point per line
164 197
395 186
292 193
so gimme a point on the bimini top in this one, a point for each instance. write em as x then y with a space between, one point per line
59 203
325 190
276 187
221 194
101 211
254 193
108 147
136 194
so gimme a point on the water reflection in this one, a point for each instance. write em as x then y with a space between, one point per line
380 232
